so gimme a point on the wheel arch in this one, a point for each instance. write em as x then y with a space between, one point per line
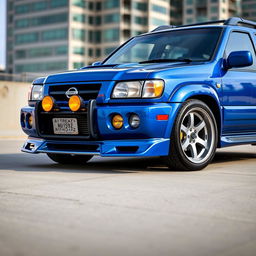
214 107
204 93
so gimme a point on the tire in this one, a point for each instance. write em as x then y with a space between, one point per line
194 137
69 159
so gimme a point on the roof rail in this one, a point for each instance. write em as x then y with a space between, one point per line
163 27
234 21
204 23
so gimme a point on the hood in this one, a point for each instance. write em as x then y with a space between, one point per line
113 73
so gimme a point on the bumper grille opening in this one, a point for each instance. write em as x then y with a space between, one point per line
72 147
127 149
30 146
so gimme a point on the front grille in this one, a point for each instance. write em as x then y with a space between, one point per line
86 91
46 125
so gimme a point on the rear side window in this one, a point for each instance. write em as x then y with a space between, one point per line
239 41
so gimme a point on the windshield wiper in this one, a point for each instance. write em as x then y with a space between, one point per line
165 60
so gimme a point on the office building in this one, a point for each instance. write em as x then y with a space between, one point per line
204 10
51 35
249 9
176 8
45 36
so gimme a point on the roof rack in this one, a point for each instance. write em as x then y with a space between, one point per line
163 27
234 21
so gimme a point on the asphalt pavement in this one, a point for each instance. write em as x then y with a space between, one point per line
126 206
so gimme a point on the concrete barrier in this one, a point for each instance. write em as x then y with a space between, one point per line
13 95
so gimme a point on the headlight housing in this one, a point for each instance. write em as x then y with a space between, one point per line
128 89
36 92
138 89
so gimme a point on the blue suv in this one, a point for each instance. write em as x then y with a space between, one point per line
176 92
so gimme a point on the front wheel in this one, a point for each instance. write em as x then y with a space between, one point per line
194 137
69 159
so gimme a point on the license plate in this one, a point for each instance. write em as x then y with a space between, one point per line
65 126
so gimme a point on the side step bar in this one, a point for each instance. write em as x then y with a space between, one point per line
238 139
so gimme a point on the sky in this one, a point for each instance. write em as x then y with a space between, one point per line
2 31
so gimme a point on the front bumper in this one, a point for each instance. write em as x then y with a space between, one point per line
122 148
152 138
100 122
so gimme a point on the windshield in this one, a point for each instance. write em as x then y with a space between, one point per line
179 45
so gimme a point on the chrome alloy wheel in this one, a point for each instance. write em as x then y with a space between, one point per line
197 136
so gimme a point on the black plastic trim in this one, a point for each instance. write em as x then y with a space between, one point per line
90 119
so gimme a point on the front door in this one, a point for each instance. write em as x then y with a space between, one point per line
239 90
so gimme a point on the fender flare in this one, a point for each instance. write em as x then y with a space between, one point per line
185 92
182 93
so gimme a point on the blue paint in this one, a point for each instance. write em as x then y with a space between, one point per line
229 81
239 59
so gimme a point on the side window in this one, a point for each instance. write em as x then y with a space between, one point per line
240 42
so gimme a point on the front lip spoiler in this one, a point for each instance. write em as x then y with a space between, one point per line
35 146
111 148
68 152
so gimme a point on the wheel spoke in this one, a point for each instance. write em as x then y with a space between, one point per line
191 120
201 153
200 126
202 142
184 129
193 151
185 145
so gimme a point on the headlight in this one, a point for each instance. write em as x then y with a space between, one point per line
138 89
130 89
36 92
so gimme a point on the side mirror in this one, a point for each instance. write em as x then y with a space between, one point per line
239 59
97 63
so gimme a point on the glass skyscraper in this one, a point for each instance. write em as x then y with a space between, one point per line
45 36
51 35
249 9
205 10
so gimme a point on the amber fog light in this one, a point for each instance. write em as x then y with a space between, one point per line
30 121
117 121
75 103
47 103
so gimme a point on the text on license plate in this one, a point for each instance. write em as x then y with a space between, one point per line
65 126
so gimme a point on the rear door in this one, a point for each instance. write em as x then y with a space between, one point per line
239 89
254 95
